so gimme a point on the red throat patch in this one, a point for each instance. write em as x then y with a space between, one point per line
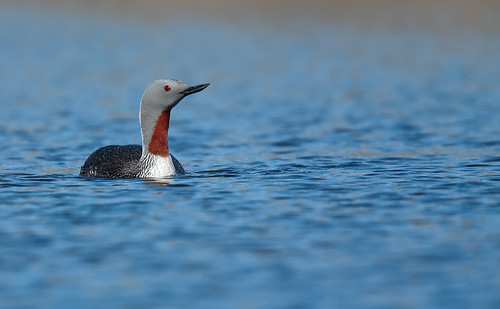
159 140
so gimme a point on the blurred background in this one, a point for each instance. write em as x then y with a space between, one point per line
346 154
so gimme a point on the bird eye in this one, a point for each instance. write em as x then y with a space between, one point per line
167 88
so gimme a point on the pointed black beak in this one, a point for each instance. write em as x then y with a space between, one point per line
194 89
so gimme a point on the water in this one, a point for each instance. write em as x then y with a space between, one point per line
328 167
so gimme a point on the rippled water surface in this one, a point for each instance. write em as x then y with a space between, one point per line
327 166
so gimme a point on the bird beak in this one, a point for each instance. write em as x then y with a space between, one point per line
194 89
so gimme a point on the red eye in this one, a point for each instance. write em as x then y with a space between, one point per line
167 88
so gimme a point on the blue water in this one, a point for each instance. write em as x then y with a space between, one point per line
327 166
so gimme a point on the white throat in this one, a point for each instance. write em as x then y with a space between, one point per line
155 166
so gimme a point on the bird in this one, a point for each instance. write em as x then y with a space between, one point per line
153 159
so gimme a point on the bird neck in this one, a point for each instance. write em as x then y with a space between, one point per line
154 129
159 140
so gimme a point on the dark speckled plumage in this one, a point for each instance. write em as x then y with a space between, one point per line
117 161
113 161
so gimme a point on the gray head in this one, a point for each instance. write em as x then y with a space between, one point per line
158 100
166 93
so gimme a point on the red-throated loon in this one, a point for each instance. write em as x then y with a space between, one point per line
153 158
